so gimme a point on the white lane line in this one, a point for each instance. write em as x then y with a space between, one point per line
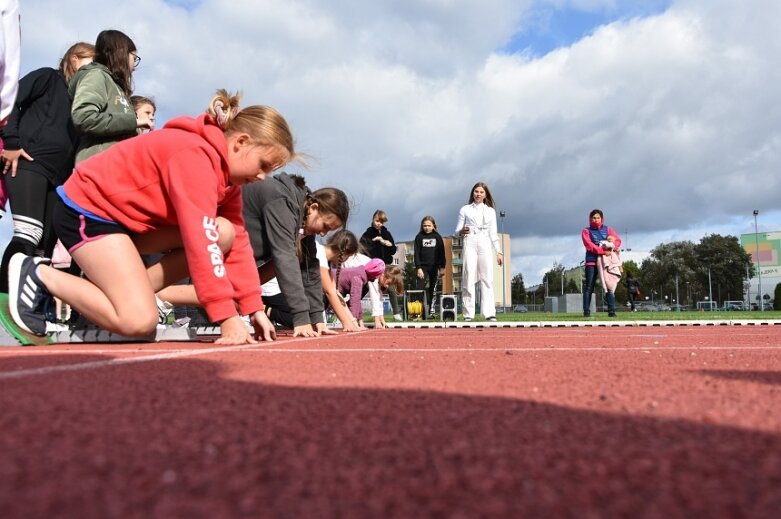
175 354
255 349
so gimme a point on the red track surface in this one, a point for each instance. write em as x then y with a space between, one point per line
671 422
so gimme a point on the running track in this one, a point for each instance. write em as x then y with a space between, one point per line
565 422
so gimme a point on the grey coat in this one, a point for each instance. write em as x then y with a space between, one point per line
273 215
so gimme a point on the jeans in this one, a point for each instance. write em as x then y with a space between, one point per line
588 288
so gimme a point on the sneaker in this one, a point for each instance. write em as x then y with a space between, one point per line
492 319
28 299
397 317
467 319
164 310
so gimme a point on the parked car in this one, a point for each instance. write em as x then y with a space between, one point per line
734 305
647 307
675 307
520 309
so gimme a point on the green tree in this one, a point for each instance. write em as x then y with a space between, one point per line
668 263
517 289
555 279
777 297
410 276
726 261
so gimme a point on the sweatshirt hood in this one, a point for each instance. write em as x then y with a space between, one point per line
205 127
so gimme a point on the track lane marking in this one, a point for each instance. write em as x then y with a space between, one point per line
83 366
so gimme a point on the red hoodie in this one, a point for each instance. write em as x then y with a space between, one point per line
177 176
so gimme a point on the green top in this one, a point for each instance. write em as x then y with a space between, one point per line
101 111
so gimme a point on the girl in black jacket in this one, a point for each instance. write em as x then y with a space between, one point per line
429 259
377 242
40 145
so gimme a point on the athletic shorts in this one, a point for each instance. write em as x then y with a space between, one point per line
75 229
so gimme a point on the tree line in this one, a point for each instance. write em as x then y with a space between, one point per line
682 272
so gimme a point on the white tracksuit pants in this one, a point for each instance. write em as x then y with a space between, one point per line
478 267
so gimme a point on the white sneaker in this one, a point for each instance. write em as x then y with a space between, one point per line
397 317
164 309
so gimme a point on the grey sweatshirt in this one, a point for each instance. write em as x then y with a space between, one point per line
273 215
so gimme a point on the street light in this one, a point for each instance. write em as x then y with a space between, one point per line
502 214
759 263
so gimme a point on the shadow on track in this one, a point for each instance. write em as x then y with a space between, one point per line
177 439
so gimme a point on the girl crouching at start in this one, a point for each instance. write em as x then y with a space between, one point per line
176 191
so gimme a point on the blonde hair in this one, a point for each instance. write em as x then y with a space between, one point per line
394 277
263 124
78 51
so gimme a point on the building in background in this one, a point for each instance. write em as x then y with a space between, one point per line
765 251
451 284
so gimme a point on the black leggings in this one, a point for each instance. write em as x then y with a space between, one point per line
32 198
432 275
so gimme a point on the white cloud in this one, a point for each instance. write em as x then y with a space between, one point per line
668 123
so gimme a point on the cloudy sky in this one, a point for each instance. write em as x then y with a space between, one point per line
666 114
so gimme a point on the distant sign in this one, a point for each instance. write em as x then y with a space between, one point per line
765 250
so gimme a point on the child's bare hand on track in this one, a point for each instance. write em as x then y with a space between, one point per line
305 330
264 328
322 329
234 331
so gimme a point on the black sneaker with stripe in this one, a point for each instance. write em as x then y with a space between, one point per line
28 299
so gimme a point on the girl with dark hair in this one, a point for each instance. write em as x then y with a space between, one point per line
477 224
102 111
40 145
283 217
340 245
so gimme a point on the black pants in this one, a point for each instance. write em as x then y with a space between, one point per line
430 274
278 310
32 198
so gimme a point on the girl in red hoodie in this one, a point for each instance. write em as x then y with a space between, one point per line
177 191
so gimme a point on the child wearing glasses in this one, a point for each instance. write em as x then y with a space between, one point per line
101 111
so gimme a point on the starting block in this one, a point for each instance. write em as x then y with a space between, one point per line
12 335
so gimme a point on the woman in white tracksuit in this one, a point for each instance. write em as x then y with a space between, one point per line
477 224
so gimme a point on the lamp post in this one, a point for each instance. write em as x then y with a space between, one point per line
502 214
759 263
710 290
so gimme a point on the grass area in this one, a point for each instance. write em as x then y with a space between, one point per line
641 316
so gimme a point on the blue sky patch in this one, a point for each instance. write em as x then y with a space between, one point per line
545 28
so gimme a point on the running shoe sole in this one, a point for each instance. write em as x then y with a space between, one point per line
14 273
24 338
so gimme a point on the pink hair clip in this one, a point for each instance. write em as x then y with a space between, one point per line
220 113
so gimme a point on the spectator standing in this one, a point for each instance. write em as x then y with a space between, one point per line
377 242
145 107
10 49
101 110
40 145
429 259
477 224
591 236
632 288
